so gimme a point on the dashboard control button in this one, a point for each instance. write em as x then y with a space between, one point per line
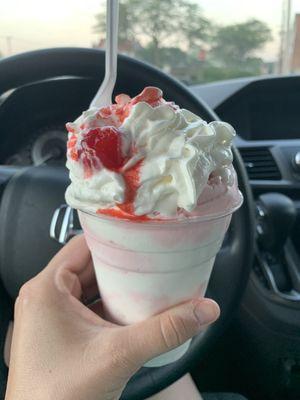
297 161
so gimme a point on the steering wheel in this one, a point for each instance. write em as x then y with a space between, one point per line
32 194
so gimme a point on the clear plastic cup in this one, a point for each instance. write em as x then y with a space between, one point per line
143 268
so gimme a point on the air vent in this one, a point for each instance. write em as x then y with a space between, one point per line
260 163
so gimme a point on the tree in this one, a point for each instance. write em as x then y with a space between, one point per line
175 36
158 24
235 45
126 25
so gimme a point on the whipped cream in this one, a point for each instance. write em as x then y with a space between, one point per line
177 153
180 151
102 190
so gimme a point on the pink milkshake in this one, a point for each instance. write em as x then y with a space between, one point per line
155 189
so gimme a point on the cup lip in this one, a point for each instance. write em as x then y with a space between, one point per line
175 221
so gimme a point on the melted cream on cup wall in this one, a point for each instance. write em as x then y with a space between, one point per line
180 151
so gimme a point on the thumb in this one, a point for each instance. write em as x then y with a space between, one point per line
170 329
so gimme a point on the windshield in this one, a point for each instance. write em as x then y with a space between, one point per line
195 41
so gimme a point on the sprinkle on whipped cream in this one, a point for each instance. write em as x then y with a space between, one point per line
144 158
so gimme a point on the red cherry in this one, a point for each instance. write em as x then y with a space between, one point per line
103 146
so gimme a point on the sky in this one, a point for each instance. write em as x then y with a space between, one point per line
34 24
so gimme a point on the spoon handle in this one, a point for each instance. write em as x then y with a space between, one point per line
104 95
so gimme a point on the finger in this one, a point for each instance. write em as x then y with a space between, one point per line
75 256
97 307
67 282
73 269
83 285
90 293
88 282
90 290
87 275
170 329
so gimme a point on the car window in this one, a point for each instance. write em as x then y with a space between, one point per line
196 41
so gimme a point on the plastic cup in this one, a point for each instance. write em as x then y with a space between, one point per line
143 268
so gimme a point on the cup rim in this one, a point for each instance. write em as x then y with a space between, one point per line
175 221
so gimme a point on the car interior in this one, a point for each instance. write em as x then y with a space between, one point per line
254 347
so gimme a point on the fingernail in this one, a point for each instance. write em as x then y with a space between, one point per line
205 312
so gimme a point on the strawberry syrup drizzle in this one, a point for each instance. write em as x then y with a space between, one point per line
126 210
121 109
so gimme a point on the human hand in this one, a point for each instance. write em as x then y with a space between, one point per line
63 350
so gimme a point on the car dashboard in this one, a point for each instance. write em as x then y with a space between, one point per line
265 113
263 342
